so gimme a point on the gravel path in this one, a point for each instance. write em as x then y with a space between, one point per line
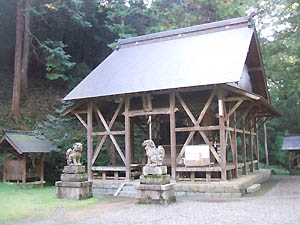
278 202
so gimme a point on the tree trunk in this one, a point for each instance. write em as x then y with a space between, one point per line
15 106
24 81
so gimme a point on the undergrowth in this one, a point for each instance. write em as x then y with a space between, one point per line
17 203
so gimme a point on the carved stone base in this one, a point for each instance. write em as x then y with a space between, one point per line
154 170
155 194
155 179
74 184
71 177
74 169
74 190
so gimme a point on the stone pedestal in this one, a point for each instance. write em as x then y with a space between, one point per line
155 187
74 184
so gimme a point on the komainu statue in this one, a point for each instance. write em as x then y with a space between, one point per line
155 155
74 155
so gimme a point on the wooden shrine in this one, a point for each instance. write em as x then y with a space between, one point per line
23 156
196 86
291 143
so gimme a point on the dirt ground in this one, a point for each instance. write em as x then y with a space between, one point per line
278 202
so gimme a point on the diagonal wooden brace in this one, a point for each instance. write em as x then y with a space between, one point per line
107 128
195 122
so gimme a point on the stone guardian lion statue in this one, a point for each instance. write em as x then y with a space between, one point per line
155 155
73 155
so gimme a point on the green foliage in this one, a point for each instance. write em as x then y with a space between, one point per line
57 61
17 203
281 55
62 132
78 72
136 17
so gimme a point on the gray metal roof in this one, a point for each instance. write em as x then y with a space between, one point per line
215 57
25 142
291 142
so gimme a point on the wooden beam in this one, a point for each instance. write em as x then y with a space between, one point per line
234 142
132 139
266 145
127 139
244 155
81 120
157 111
80 111
197 123
89 140
24 168
108 127
109 168
196 128
4 166
256 144
290 160
106 133
186 108
100 144
42 167
73 107
251 145
240 92
12 144
235 99
262 123
113 154
173 135
233 110
254 69
222 135
211 147
245 112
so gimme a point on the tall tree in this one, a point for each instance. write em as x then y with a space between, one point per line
15 106
25 57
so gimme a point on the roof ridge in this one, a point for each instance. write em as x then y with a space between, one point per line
17 132
191 29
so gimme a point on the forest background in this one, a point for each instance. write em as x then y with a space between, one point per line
48 46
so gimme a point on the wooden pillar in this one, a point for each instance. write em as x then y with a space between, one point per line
266 145
193 176
256 144
4 165
244 171
173 135
234 141
89 140
132 139
24 169
127 139
208 176
290 160
113 154
42 167
251 145
222 135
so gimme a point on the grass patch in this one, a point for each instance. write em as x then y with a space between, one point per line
17 203
279 170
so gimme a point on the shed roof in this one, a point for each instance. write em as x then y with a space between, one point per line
25 142
291 142
206 54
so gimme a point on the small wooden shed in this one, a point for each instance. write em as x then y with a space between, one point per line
23 157
291 143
